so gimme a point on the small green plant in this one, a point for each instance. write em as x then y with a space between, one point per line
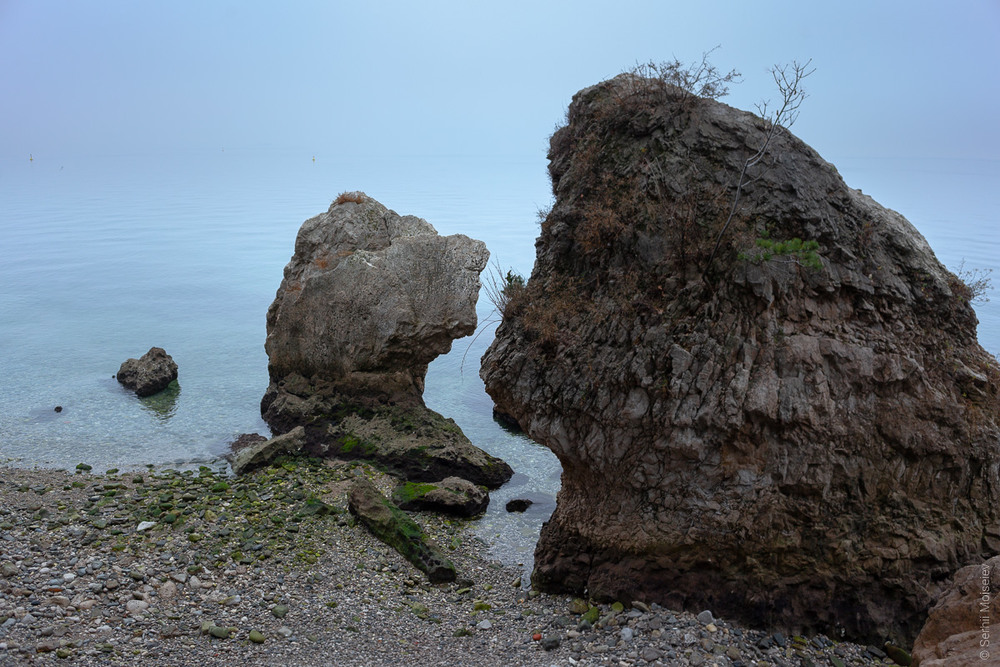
802 252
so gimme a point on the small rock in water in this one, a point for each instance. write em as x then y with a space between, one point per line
519 505
58 408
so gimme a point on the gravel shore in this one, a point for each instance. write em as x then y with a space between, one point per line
162 567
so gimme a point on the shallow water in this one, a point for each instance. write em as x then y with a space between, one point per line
102 258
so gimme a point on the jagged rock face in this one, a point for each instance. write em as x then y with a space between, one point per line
798 438
368 300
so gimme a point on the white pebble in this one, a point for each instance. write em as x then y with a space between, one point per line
145 525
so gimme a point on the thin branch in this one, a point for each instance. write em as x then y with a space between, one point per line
789 82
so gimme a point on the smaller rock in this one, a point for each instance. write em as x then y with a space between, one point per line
484 625
706 617
285 631
245 440
279 611
260 453
875 652
149 374
168 591
578 606
650 654
898 655
145 525
135 607
627 634
518 505
256 637
550 643
452 495
219 632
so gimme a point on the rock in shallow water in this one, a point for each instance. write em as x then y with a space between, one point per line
368 300
149 374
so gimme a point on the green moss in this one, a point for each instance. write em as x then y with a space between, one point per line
352 446
410 491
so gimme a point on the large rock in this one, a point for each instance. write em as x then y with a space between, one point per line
391 525
796 435
149 374
963 627
367 301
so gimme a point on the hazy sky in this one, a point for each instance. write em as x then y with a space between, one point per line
893 78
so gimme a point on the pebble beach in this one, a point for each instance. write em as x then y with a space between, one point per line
166 567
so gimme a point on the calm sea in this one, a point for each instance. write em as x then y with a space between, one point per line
102 258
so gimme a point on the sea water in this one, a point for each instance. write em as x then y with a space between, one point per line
102 257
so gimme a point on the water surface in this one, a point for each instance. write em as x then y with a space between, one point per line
103 257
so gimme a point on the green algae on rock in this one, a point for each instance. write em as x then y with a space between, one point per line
391 525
